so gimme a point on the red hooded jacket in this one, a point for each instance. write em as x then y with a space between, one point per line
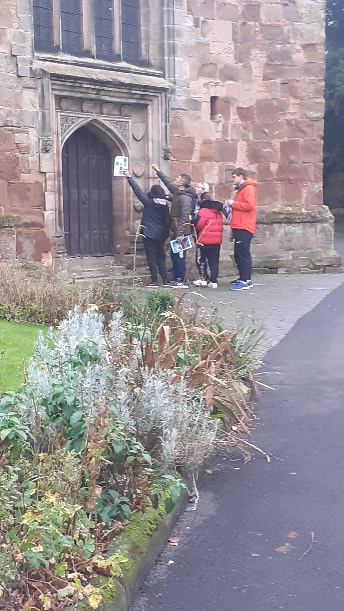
209 225
244 208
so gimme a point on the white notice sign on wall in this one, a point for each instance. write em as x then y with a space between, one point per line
121 165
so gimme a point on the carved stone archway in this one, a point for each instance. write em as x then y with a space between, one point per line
115 133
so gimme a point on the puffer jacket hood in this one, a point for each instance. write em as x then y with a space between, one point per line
211 205
157 192
248 181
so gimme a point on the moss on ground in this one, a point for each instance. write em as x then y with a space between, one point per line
131 544
135 538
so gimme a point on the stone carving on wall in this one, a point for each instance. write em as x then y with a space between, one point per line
139 168
167 152
138 130
66 122
46 145
70 104
121 127
109 108
89 106
126 110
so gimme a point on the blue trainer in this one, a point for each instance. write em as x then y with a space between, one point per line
249 282
240 285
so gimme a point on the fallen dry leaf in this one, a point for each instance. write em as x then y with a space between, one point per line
292 534
174 541
283 549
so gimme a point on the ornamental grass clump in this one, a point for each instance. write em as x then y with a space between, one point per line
111 413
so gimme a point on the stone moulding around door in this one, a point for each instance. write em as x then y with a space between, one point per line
69 123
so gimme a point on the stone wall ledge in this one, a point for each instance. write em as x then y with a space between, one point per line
290 216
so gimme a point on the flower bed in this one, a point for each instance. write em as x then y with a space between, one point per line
110 414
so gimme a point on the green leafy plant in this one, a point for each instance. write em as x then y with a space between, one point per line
46 527
170 487
111 506
62 409
14 435
86 353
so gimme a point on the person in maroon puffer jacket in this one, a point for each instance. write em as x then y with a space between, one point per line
209 228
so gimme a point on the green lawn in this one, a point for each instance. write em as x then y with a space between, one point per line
16 346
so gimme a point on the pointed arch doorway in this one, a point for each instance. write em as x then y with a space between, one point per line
87 195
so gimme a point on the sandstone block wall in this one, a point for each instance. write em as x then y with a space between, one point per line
251 94
21 183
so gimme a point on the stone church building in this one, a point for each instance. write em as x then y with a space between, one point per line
198 86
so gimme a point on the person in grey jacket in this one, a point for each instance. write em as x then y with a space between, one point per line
184 200
155 228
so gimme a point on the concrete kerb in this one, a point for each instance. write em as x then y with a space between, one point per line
129 586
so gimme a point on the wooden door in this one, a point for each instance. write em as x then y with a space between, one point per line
87 195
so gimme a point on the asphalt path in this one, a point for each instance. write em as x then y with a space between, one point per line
269 536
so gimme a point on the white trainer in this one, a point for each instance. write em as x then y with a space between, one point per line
200 282
212 285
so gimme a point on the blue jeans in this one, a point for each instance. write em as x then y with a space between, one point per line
179 266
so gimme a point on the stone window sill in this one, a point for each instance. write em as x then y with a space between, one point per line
89 62
117 75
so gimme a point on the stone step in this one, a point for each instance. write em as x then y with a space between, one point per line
93 268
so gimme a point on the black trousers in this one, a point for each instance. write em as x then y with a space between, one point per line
210 255
202 264
156 258
242 255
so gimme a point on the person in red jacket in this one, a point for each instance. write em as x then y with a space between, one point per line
243 225
209 228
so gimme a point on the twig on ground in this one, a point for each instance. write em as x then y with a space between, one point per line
194 495
265 385
313 542
267 455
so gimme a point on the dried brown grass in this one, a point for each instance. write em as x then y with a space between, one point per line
27 295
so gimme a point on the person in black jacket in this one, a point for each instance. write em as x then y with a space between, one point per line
155 228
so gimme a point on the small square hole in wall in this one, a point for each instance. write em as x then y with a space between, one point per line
220 108
214 107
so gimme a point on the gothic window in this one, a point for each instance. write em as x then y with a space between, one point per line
131 39
43 24
104 25
108 29
71 26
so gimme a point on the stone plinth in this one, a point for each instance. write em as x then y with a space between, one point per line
295 240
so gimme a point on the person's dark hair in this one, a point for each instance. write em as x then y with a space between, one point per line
240 172
206 197
186 180
157 192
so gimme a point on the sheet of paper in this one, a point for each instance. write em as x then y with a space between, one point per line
121 165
